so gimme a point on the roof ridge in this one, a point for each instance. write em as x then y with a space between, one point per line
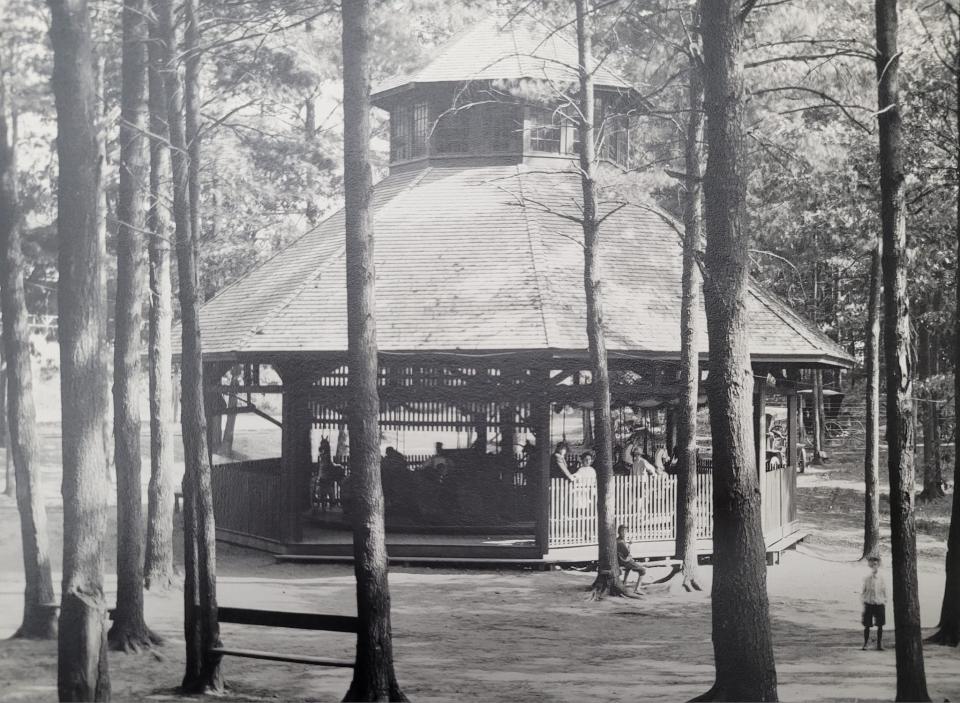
339 252
403 77
414 182
283 249
288 300
559 32
766 298
530 38
535 252
516 47
256 265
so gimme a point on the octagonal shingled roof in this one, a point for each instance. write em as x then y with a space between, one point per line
464 265
504 48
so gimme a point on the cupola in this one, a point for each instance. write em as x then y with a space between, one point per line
501 92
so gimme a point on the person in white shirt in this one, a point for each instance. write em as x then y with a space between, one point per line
586 472
585 483
874 599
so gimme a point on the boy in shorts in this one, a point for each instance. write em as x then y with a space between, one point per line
874 599
626 561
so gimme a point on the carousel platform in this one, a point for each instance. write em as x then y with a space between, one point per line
326 544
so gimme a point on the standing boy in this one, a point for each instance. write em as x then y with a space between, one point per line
874 598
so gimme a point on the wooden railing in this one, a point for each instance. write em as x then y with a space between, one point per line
246 497
482 490
645 504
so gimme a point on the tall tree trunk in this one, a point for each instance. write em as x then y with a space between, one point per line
5 440
689 332
374 678
82 673
911 679
159 572
871 458
742 644
948 630
103 208
608 568
201 630
129 632
10 478
39 617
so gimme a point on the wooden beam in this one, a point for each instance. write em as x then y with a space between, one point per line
622 393
279 618
278 657
258 389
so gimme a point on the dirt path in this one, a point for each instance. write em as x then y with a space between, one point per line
513 635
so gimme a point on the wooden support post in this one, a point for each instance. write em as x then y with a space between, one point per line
793 428
540 472
296 459
507 430
760 423
213 406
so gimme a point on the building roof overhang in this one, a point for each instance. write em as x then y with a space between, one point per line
478 262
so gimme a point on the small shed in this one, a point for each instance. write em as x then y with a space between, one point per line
481 327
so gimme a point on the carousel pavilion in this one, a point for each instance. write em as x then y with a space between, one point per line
481 328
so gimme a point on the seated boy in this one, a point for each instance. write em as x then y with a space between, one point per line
626 561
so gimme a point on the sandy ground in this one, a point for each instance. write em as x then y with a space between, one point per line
522 635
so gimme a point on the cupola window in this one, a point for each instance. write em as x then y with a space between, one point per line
401 143
421 128
612 131
499 127
545 131
409 126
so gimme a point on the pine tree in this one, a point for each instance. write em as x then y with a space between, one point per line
82 672
742 643
374 678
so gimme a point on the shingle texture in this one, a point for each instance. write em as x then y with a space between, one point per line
480 258
501 48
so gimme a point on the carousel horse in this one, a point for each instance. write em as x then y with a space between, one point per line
662 460
328 475
437 467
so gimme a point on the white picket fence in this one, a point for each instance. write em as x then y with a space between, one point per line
645 504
